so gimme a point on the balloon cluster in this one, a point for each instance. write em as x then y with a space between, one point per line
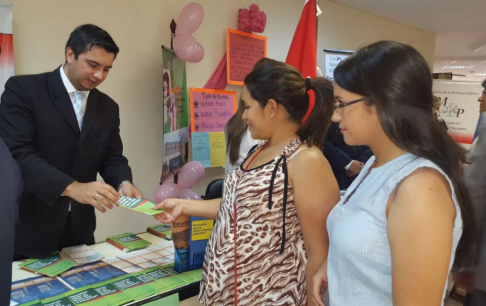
191 173
186 47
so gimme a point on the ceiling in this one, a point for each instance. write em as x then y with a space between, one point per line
460 27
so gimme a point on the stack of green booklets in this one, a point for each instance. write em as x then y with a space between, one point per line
122 289
128 242
140 205
50 266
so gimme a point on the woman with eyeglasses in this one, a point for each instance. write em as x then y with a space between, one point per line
397 231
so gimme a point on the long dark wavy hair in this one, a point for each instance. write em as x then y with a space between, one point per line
399 83
283 83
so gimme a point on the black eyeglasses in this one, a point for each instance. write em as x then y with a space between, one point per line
340 105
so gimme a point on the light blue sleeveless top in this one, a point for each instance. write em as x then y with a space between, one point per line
359 262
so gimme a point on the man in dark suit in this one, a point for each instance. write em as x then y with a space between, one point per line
346 161
474 277
63 131
10 190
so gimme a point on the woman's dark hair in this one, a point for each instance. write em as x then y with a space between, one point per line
284 84
86 36
236 127
398 82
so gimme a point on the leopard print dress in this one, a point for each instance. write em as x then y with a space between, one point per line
270 252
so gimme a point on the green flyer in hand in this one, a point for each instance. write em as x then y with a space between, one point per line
140 205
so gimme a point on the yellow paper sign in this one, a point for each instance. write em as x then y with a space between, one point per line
217 144
201 230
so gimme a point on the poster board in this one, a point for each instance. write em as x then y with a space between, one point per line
6 44
243 50
333 58
459 108
210 111
175 139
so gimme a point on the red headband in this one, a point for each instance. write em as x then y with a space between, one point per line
312 99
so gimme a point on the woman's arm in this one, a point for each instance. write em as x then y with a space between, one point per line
315 194
176 207
420 224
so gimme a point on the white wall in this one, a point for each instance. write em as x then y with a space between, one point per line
140 27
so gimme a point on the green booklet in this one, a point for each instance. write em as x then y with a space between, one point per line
112 293
128 242
82 296
33 303
161 230
140 205
136 286
50 266
164 280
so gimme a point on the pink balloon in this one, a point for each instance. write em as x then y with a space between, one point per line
190 174
187 193
187 48
190 18
166 191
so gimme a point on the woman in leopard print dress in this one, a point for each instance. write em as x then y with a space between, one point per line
270 233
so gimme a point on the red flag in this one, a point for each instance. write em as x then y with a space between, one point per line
303 49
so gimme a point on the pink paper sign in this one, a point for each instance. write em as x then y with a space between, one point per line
244 50
211 109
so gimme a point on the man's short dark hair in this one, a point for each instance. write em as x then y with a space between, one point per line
84 37
484 84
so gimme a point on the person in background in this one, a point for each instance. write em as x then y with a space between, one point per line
276 202
10 191
346 161
63 132
407 217
239 140
473 277
436 112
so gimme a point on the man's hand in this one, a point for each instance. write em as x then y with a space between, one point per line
96 194
128 190
355 168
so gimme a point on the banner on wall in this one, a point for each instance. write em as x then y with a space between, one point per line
243 51
210 111
459 108
175 151
6 44
333 58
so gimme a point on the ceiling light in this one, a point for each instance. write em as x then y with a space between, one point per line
480 74
456 67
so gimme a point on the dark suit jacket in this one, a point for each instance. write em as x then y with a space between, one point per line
475 177
339 155
10 190
38 124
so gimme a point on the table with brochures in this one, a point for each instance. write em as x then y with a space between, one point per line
186 284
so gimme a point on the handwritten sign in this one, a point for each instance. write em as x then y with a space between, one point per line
244 50
211 109
200 148
217 144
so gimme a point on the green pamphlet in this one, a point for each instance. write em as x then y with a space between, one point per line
50 266
137 287
140 205
112 293
82 296
128 242
33 303
161 230
164 280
